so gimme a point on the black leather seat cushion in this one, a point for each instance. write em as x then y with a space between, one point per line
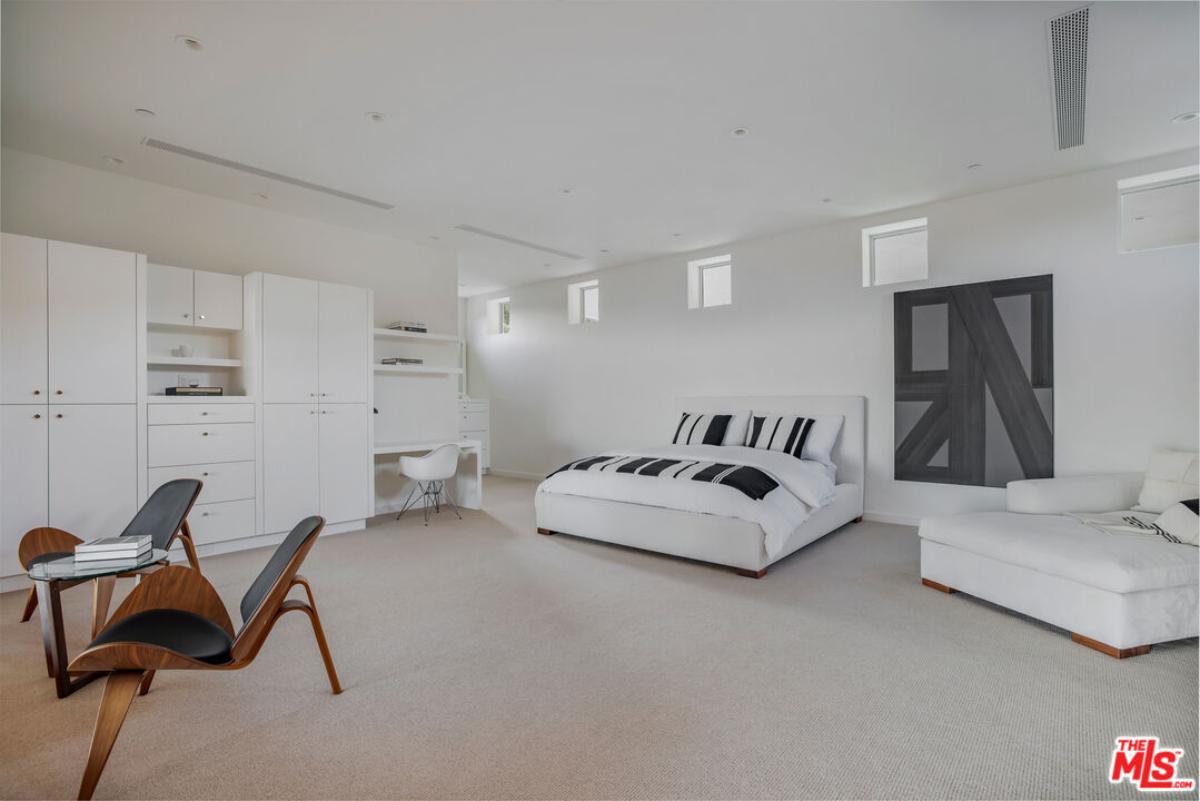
47 557
182 632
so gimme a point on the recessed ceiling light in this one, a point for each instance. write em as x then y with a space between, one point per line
603 250
739 132
974 165
1190 116
547 264
116 161
675 235
432 236
375 116
143 112
566 191
826 200
262 196
190 42
1138 219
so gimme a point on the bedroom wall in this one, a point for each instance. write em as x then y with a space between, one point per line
1126 333
53 199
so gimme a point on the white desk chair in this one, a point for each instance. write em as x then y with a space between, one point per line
430 472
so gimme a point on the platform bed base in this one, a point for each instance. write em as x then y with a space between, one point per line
741 571
1087 642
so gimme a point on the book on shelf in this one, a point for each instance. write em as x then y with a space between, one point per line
196 391
403 325
401 360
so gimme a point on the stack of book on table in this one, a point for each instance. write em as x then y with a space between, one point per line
112 551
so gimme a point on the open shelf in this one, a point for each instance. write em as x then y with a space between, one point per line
200 399
191 361
427 369
388 333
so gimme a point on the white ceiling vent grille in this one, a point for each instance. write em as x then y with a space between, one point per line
1068 71
512 240
179 150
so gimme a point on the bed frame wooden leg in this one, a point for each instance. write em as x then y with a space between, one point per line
1105 648
741 571
936 586
546 531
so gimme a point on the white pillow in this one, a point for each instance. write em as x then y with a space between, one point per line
822 438
736 433
1172 476
1181 522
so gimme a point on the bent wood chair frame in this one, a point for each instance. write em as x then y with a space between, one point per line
133 664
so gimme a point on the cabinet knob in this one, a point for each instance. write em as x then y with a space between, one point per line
205 473
37 392
185 314
312 411
204 414
202 317
204 433
312 394
324 412
58 392
204 514
37 417
325 394
59 416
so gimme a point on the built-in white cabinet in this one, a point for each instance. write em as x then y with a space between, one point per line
23 312
344 344
474 423
68 390
345 466
289 340
193 298
91 324
291 467
24 477
93 468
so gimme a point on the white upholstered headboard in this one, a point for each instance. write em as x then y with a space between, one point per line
850 452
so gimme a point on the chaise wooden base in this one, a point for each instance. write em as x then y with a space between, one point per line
741 571
1105 648
858 519
936 586
546 532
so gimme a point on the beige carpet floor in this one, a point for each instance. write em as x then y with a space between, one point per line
481 660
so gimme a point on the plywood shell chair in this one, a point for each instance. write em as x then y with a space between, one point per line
174 620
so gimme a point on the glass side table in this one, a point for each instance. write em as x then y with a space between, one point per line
50 579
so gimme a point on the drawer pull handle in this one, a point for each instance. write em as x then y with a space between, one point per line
204 434
37 392
204 414
37 417
58 392
59 416
205 473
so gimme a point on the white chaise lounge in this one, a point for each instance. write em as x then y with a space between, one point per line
1117 594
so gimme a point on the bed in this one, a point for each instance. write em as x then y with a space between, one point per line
650 515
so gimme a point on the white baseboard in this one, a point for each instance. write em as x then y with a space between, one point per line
517 474
887 517
21 582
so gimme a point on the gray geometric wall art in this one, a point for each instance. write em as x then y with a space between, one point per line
975 382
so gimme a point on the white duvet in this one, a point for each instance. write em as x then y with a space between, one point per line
803 486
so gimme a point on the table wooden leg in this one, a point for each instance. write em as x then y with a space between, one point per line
102 592
50 606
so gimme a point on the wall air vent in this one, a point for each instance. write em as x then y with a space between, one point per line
274 176
521 242
1068 35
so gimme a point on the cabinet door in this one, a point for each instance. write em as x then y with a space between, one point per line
169 295
218 301
290 457
22 319
345 461
289 340
92 319
344 344
93 468
24 501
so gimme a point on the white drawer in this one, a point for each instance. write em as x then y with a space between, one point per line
158 414
192 444
473 406
223 481
215 522
472 421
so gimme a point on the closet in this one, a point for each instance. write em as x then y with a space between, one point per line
315 389
68 389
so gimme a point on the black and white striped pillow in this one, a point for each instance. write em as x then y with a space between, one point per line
779 433
701 429
1180 523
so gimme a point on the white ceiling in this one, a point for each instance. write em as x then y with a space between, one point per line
493 109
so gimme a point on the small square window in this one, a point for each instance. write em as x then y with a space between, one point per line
896 252
1160 210
710 282
499 316
583 302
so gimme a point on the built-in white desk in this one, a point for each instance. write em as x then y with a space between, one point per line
391 489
